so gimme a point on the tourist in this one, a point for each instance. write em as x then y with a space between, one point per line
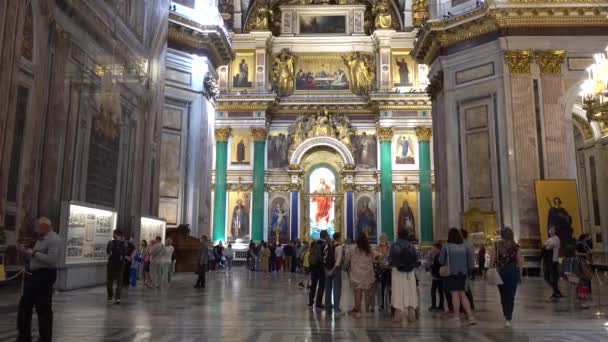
471 260
273 257
167 261
507 260
481 260
251 256
218 256
203 262
305 266
333 257
128 260
38 280
229 256
265 260
157 251
361 274
382 270
136 260
403 258
288 251
454 255
551 263
437 282
300 249
279 257
145 253
317 271
117 251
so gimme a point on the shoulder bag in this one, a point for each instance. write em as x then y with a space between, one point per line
444 271
492 274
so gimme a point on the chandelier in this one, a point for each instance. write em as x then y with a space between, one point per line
594 90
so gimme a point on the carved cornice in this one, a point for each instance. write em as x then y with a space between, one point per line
424 133
385 133
518 61
364 188
222 134
498 17
406 187
245 103
194 37
259 133
550 62
239 187
282 187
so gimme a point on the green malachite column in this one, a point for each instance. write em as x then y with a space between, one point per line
219 199
385 135
426 189
257 210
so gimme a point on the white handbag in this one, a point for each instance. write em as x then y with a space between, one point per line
492 274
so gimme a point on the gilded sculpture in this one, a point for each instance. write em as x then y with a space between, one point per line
421 12
361 71
382 15
283 75
321 124
261 18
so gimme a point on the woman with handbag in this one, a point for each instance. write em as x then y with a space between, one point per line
507 261
454 258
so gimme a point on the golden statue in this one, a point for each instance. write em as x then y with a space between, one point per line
283 76
382 15
360 71
421 12
322 127
261 18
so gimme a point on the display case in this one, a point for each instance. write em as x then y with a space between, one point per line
151 227
85 230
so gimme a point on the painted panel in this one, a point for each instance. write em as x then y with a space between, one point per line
242 70
278 217
323 72
278 150
315 24
406 211
366 153
405 151
240 152
366 215
239 207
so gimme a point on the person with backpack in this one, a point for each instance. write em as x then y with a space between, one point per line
332 262
403 259
317 271
117 252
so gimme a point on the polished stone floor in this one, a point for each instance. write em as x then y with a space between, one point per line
243 306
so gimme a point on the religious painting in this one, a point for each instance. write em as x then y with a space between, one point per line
328 24
557 202
278 217
240 153
322 72
278 150
406 211
404 69
321 185
239 204
243 69
404 146
366 216
366 150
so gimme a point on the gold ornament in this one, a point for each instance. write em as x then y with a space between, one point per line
385 133
421 12
550 62
382 15
259 134
294 167
361 72
424 133
518 61
585 126
261 18
222 134
283 74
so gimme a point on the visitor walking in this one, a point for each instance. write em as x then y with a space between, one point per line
39 277
454 256
167 262
437 282
508 261
333 257
382 270
229 256
289 252
203 262
265 260
279 255
404 296
251 256
317 271
157 251
551 263
305 266
471 261
128 260
481 260
145 253
117 251
361 274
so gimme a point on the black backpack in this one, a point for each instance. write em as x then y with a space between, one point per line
405 259
329 256
316 254
118 251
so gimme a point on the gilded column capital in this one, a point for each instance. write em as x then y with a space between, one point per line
550 62
385 133
518 61
259 133
222 134
424 133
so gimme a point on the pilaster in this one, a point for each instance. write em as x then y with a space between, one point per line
385 136
219 199
426 189
257 210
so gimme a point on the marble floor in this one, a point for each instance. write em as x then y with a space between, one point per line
244 306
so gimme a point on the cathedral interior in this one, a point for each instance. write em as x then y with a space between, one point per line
274 120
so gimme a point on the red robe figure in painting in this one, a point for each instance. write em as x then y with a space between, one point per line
323 203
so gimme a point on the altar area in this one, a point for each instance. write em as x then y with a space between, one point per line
322 123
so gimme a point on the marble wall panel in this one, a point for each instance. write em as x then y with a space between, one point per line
170 161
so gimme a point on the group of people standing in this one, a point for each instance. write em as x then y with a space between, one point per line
126 263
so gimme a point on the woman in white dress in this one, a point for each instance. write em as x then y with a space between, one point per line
361 274
403 259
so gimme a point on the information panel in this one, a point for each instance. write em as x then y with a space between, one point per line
151 228
88 232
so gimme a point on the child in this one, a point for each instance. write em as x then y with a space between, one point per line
437 285
136 259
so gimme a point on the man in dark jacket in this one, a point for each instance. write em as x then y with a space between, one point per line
203 257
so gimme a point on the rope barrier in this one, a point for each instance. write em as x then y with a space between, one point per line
13 277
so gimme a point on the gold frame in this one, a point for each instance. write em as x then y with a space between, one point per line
474 217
